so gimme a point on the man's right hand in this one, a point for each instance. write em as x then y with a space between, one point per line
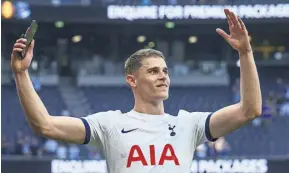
18 64
67 129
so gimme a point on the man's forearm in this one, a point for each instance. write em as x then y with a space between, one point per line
251 99
34 109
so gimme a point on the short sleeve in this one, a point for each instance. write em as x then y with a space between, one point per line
200 129
96 125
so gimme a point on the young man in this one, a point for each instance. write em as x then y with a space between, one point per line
146 139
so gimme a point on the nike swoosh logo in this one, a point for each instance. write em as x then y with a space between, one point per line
127 131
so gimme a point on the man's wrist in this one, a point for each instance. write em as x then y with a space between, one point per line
245 52
21 74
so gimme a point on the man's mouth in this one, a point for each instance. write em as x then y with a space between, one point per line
162 85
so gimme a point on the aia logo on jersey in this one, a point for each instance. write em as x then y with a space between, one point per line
136 155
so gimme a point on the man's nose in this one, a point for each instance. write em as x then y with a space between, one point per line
162 76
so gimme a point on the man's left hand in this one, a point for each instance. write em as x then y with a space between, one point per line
238 38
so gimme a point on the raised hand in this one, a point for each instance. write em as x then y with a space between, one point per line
238 38
19 65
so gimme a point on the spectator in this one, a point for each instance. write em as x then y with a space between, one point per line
201 151
19 143
73 151
284 104
280 88
61 151
4 145
287 92
222 147
211 149
257 122
35 147
271 102
26 146
50 147
269 111
284 109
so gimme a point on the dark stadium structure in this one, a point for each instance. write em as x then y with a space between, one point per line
78 63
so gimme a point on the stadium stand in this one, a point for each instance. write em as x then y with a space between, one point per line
209 98
101 50
13 118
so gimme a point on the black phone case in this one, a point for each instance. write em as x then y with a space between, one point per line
20 54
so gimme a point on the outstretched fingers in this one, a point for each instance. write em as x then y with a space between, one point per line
235 20
223 34
243 27
227 13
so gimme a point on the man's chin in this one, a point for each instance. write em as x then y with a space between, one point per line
163 97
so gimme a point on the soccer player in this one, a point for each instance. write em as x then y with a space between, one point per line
146 139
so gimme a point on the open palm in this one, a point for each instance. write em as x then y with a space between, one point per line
238 37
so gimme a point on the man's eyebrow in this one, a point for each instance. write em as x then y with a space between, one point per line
154 68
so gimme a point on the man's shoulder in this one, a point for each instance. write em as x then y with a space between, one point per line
185 113
194 116
107 112
104 114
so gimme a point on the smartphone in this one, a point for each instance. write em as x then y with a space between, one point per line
29 36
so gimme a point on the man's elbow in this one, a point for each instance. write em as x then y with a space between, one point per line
256 112
45 132
42 130
257 108
253 111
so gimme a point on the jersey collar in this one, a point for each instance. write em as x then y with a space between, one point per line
144 116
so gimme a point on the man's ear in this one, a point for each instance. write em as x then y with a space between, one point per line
131 80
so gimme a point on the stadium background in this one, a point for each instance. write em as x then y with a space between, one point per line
77 70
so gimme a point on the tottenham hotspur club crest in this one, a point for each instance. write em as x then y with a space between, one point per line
172 130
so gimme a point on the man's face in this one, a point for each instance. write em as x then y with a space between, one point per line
152 80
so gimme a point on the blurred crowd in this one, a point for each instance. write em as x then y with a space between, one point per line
27 145
275 103
220 148
35 146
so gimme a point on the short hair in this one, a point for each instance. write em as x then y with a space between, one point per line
133 63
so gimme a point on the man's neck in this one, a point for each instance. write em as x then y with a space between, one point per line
149 108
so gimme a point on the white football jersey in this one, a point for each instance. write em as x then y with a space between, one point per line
134 142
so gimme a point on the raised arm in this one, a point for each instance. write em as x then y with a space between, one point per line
235 116
66 129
